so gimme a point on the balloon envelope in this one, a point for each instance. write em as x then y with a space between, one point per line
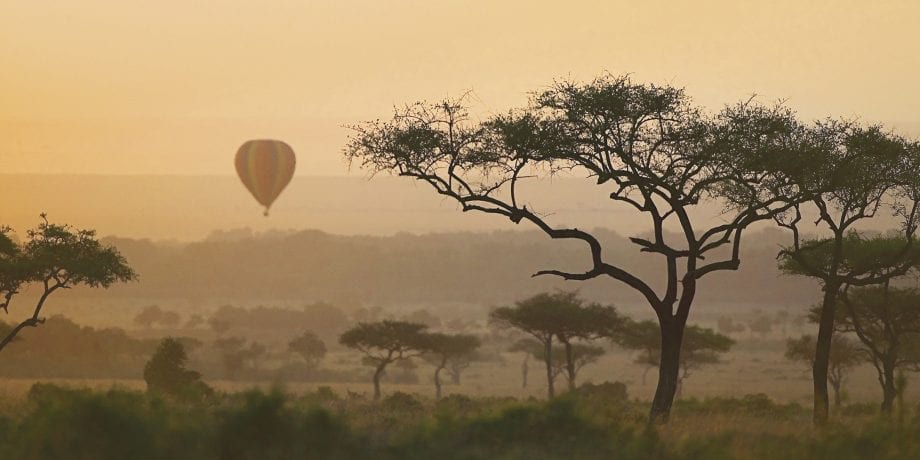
265 167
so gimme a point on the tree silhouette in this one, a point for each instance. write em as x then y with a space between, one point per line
887 322
856 173
55 257
166 371
384 343
845 354
309 347
563 316
645 146
442 350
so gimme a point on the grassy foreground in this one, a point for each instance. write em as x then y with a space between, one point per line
598 421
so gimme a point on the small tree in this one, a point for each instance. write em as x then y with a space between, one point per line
442 350
56 257
887 322
309 347
845 355
384 343
702 346
237 356
563 316
166 371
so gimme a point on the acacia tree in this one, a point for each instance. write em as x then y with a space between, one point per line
845 354
858 172
647 147
55 257
385 342
887 322
560 315
443 350
702 347
581 355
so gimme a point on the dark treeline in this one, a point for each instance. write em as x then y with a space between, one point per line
486 268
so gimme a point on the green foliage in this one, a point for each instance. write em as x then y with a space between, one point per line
263 426
166 373
860 255
594 422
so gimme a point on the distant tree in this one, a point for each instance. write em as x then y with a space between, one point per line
169 319
728 326
236 356
856 172
456 367
761 325
442 350
845 355
309 347
55 257
702 346
194 321
647 147
384 343
219 325
887 322
166 372
582 355
148 316
563 316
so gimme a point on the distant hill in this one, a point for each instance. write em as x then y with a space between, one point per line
295 268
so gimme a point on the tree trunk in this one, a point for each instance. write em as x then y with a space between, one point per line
889 390
672 334
437 382
835 384
437 378
548 355
569 365
524 370
823 352
377 373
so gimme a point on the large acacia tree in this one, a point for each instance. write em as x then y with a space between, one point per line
55 257
868 173
646 147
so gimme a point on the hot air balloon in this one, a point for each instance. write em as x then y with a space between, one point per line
265 166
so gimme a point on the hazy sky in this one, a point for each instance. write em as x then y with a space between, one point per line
167 87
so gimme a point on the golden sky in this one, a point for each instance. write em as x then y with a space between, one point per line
174 87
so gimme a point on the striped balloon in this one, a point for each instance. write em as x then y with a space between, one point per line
265 166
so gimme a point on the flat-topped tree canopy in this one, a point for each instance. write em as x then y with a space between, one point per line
647 147
56 257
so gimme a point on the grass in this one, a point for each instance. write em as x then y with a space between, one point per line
598 421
